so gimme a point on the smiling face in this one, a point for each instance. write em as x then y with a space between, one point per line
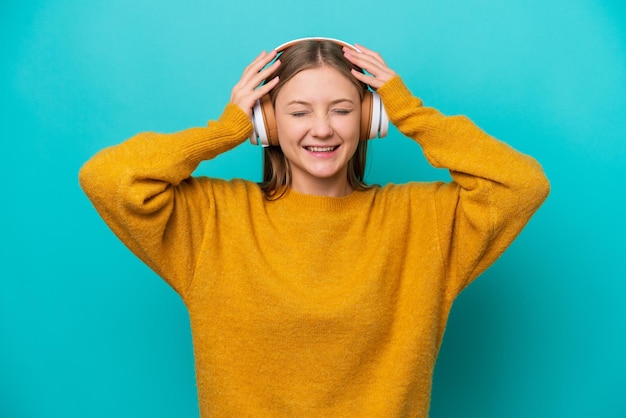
318 114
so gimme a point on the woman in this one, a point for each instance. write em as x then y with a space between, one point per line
313 294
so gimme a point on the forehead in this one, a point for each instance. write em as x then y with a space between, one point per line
318 84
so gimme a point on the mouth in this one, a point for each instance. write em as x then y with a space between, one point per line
321 149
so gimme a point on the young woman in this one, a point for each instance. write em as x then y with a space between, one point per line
313 294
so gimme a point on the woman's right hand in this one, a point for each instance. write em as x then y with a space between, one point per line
247 91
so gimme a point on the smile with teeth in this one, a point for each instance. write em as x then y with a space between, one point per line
321 149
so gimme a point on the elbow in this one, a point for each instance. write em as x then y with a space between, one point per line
544 189
537 188
94 179
86 176
542 184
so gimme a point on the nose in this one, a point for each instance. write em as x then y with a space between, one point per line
321 127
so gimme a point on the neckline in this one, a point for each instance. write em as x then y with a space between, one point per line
326 203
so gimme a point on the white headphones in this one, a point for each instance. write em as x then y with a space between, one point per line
374 120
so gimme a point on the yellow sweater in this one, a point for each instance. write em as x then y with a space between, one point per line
313 306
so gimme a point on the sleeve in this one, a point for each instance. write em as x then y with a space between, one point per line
143 190
494 192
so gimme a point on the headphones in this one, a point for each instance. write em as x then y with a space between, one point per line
374 120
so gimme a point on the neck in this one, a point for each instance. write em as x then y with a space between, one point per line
323 187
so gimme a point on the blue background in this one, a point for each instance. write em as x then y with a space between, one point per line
86 330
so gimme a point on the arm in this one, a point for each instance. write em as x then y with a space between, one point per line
144 191
495 189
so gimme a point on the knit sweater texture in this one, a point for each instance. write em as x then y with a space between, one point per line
312 306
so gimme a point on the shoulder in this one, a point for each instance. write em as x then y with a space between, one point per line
410 191
217 190
407 198
233 188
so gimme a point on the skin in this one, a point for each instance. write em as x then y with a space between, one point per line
317 115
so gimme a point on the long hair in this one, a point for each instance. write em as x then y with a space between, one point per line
303 56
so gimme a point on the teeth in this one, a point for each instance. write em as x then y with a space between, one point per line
320 149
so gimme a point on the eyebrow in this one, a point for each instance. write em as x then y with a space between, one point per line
334 102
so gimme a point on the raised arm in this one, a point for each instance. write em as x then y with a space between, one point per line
495 189
143 187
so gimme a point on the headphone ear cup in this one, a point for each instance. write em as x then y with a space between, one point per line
383 127
374 120
258 136
269 117
264 131
366 116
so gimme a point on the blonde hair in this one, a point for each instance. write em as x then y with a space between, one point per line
299 57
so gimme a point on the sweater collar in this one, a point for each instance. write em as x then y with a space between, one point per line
294 200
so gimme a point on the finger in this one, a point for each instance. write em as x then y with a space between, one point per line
373 82
367 55
251 81
370 63
251 66
246 100
369 52
261 60
257 65
257 79
251 86
378 73
265 88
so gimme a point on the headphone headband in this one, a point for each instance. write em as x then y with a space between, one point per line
282 47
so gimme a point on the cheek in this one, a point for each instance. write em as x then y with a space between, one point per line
289 128
350 127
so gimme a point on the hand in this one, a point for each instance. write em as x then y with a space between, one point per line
372 62
247 91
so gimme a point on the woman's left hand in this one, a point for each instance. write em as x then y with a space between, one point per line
370 61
